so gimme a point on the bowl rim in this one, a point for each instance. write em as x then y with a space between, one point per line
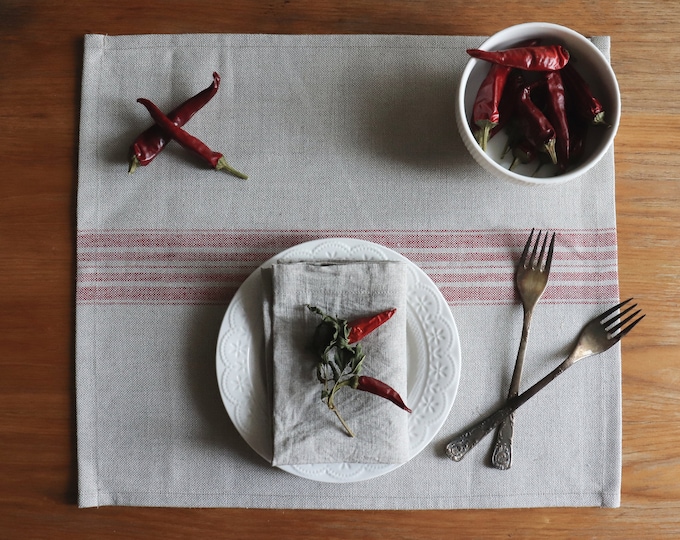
528 28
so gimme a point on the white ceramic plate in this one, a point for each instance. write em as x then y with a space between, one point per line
434 359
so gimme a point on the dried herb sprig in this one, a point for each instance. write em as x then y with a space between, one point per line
339 362
341 359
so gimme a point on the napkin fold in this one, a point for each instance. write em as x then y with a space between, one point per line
305 430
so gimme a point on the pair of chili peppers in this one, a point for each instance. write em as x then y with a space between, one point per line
545 115
151 142
341 359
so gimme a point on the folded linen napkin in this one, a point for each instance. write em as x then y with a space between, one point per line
305 430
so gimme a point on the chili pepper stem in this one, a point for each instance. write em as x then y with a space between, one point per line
222 164
332 407
342 421
483 134
550 148
598 120
134 163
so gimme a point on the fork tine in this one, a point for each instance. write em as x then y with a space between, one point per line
548 260
625 321
604 316
539 261
613 319
523 258
533 263
631 326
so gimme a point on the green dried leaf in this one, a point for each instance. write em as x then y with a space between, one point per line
357 358
320 374
337 373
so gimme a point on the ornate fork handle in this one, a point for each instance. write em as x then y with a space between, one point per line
502 452
466 441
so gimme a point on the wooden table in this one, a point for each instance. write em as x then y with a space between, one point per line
41 45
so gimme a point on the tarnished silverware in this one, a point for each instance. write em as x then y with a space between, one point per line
531 279
601 333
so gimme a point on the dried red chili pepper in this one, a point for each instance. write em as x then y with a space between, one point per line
486 107
531 58
381 389
151 142
536 127
556 111
506 107
188 141
584 101
360 328
333 329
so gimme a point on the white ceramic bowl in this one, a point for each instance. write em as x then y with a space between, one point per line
591 64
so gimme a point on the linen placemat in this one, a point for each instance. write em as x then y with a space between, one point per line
341 136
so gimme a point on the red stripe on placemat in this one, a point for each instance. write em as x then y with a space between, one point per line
255 239
125 294
207 266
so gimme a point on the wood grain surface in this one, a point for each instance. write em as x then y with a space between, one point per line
41 46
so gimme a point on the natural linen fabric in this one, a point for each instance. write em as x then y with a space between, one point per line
304 429
350 136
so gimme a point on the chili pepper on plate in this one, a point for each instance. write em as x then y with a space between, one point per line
381 389
485 110
360 328
530 58
151 142
334 329
188 141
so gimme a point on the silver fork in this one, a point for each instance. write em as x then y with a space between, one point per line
531 278
600 334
